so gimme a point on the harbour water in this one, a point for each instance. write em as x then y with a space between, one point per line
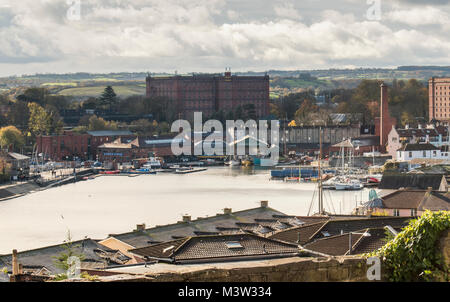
115 204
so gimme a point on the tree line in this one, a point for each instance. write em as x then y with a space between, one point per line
37 112
408 103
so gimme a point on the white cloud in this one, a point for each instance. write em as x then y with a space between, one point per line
187 35
287 10
420 16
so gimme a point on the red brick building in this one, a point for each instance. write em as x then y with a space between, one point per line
70 144
125 150
212 93
64 146
439 99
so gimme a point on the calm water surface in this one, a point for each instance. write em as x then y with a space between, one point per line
115 204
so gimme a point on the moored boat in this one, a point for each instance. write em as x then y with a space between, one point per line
352 184
110 172
247 163
233 163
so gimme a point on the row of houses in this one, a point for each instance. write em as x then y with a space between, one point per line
261 233
430 142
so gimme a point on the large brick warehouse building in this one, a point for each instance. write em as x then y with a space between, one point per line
439 99
212 93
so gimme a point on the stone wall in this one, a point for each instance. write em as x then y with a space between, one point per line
296 269
444 246
350 268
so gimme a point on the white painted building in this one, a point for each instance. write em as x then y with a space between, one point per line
437 135
421 151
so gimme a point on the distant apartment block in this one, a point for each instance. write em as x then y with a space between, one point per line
211 93
439 99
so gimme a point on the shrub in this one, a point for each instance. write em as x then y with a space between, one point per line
413 255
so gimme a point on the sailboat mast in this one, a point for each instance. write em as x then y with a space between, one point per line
321 211
373 156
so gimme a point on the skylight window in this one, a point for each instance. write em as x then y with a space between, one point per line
263 230
326 234
233 245
296 221
280 226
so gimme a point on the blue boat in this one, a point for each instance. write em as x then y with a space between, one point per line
296 172
140 171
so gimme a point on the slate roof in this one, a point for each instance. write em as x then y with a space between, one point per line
334 246
303 232
442 130
418 147
417 132
110 133
18 156
403 199
418 181
236 222
217 248
336 227
332 227
339 245
376 241
417 199
94 253
436 201
312 219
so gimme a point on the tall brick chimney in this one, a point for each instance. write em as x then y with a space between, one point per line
15 263
384 114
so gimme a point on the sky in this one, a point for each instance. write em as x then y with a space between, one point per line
102 36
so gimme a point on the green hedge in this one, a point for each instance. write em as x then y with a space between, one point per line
414 255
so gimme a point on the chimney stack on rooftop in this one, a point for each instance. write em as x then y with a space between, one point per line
264 203
186 218
140 227
15 263
227 211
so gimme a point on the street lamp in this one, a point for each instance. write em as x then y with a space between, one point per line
365 234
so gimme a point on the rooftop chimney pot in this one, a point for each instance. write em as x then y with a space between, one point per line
140 227
186 218
227 211
264 203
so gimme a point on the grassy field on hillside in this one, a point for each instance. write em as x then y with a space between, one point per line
95 91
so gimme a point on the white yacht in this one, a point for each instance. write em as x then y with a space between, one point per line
349 184
152 163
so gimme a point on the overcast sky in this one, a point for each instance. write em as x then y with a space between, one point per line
49 36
